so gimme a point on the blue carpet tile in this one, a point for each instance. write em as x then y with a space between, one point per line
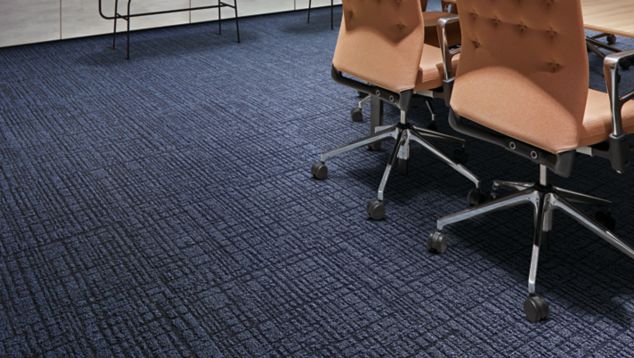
163 206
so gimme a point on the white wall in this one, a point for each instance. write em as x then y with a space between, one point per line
303 4
30 21
24 21
245 8
81 17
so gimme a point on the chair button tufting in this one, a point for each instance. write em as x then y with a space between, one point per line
554 66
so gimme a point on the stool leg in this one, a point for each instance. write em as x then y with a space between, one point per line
219 19
235 10
127 46
114 31
332 16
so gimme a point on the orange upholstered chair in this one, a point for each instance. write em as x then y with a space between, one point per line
432 37
380 51
523 84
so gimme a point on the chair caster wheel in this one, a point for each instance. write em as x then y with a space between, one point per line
357 114
437 243
611 39
319 170
476 197
605 218
460 155
432 126
536 308
402 166
376 209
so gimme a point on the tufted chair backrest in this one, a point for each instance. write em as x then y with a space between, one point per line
381 42
523 68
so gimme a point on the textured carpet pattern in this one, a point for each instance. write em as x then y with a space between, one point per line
164 207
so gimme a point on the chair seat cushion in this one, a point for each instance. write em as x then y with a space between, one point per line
430 72
597 121
538 119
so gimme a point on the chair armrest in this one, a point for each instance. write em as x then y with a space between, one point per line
612 75
448 53
619 148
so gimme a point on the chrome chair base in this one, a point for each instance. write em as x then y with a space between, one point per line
544 199
404 133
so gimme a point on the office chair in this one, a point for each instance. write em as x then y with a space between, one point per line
332 13
430 19
522 84
380 50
